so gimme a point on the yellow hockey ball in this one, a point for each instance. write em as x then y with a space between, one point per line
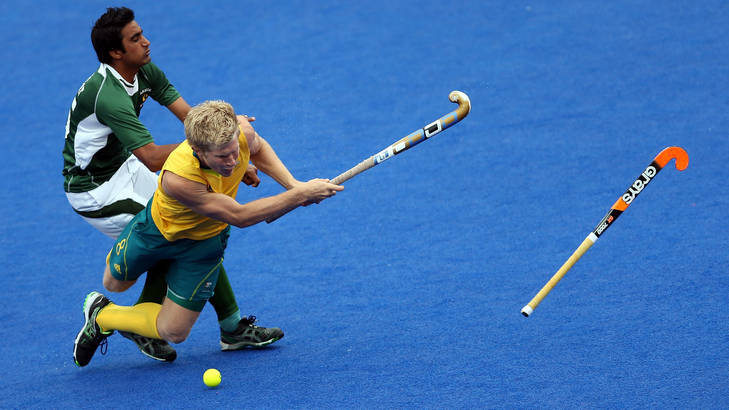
211 377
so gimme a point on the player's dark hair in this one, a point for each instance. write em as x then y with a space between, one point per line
106 34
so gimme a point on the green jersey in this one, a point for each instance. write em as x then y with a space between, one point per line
103 126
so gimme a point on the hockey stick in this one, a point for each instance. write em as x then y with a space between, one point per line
616 210
407 142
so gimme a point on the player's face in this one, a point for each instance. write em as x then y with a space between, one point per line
136 46
223 159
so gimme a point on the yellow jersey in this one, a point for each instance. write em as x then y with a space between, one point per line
176 221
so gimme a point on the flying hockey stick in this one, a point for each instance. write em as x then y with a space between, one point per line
616 210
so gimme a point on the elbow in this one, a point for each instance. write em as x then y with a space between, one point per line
242 217
244 223
234 218
152 165
156 165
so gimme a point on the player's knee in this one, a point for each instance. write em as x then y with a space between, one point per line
173 334
110 283
115 285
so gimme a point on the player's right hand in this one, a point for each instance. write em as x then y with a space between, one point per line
318 189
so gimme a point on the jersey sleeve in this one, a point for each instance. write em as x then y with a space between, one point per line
162 91
119 115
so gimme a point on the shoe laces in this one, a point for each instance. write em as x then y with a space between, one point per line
103 346
249 321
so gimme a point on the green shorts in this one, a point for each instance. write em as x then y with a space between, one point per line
194 265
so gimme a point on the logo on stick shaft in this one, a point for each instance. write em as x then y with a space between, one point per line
639 184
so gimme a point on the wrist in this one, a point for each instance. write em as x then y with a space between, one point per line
291 184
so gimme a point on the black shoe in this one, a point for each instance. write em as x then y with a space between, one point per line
249 335
90 336
157 349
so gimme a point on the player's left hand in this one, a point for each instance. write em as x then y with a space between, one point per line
250 178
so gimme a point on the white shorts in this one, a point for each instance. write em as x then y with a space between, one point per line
132 181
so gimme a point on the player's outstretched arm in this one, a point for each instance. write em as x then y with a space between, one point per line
224 208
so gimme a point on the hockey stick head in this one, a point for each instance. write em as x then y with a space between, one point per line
464 103
660 161
669 153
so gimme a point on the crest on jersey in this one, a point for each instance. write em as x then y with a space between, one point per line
143 96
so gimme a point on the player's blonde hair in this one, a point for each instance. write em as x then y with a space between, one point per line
211 124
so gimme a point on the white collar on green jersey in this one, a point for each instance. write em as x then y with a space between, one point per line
131 88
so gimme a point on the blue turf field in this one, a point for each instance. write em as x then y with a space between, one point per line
404 290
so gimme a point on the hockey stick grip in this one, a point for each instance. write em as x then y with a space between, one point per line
576 255
357 169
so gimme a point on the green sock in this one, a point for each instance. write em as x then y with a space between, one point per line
223 301
155 285
230 323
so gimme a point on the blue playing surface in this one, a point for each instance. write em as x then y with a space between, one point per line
404 290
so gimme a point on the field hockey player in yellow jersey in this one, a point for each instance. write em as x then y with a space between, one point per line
187 221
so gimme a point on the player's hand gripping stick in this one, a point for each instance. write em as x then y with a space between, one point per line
407 142
616 210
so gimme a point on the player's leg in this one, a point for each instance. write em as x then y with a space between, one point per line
223 299
140 246
155 285
168 321
224 303
235 332
191 279
113 284
137 248
190 285
128 259
175 322
109 208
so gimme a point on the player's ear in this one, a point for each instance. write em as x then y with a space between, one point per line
197 150
116 54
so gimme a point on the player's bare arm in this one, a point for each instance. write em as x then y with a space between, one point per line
264 157
224 208
179 108
153 156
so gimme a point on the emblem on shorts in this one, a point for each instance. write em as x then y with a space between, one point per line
118 268
120 246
